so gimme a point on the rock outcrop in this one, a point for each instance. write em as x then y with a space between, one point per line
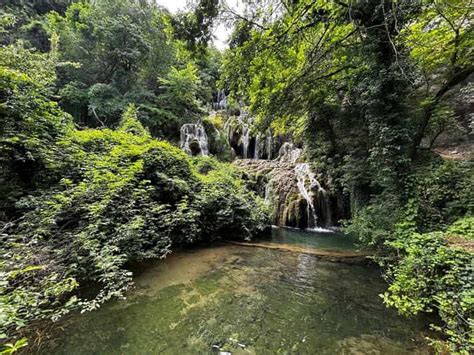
194 139
296 197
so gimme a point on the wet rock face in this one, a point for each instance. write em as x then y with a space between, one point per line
246 141
292 190
289 153
220 102
194 139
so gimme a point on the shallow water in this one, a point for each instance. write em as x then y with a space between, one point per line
326 240
247 301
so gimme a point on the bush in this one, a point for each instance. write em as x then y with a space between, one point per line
435 273
375 223
123 196
422 247
442 192
435 195
30 123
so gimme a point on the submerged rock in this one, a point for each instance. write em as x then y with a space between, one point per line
346 257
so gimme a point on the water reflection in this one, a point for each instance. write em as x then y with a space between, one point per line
245 301
319 240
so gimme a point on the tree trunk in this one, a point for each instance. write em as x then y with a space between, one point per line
457 77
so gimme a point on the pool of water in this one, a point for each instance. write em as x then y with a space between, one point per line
325 240
246 300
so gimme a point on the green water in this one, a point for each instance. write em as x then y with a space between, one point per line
246 301
319 240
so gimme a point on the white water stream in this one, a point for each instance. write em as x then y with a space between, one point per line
194 132
307 183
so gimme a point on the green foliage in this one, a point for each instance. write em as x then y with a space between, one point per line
463 227
126 53
349 80
179 98
442 192
31 122
109 38
130 123
123 196
105 104
111 53
13 348
325 75
76 206
428 270
435 274
195 28
6 20
440 35
375 223
366 87
24 20
437 194
363 85
218 137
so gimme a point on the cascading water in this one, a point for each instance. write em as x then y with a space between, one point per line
291 188
256 154
268 191
245 123
221 101
279 174
269 144
289 153
296 197
304 174
194 139
245 140
323 206
229 129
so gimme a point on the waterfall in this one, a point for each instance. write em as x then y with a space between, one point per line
194 139
228 128
324 208
268 191
256 154
292 190
289 153
245 140
269 144
304 175
221 101
245 123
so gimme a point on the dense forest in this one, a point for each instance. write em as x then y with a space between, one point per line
126 134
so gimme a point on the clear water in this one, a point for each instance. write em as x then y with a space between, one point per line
246 300
320 240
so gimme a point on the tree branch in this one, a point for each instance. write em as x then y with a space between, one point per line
455 79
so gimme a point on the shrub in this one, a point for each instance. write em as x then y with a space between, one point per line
123 196
426 254
435 273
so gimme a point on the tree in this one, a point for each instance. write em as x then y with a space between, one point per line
178 101
195 27
120 48
440 42
31 121
29 25
328 74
